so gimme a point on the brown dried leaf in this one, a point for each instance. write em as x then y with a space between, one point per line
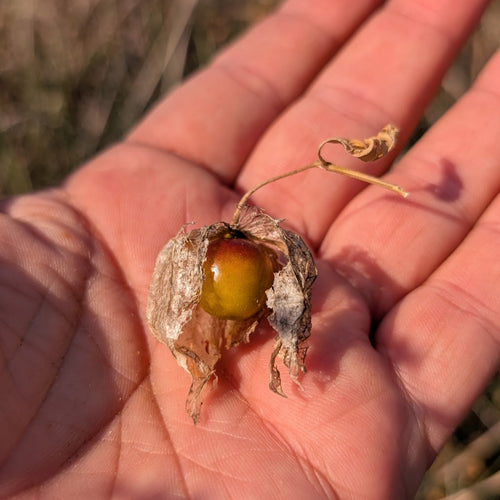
370 149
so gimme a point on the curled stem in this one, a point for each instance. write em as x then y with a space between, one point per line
370 149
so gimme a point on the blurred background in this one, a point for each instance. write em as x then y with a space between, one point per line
75 75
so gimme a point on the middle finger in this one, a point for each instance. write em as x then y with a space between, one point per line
375 80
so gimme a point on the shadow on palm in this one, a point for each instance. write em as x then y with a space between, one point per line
71 351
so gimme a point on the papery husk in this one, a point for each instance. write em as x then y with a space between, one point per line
290 302
289 298
199 348
195 337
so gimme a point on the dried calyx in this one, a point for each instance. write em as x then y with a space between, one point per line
213 285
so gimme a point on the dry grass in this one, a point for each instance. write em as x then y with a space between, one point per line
75 75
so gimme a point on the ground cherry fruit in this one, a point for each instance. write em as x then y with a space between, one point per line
244 280
237 273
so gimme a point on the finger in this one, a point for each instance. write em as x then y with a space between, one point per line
216 118
375 80
386 247
444 338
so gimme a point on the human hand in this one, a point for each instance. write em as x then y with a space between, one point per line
405 308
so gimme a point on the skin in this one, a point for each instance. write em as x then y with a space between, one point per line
405 310
237 274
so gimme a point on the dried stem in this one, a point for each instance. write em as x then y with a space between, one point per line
368 150
246 196
366 178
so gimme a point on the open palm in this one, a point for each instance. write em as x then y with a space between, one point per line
405 309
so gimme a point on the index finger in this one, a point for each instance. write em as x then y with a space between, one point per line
216 118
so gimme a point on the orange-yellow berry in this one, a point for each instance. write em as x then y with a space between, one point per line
237 273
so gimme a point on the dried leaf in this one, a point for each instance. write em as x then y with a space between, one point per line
370 149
